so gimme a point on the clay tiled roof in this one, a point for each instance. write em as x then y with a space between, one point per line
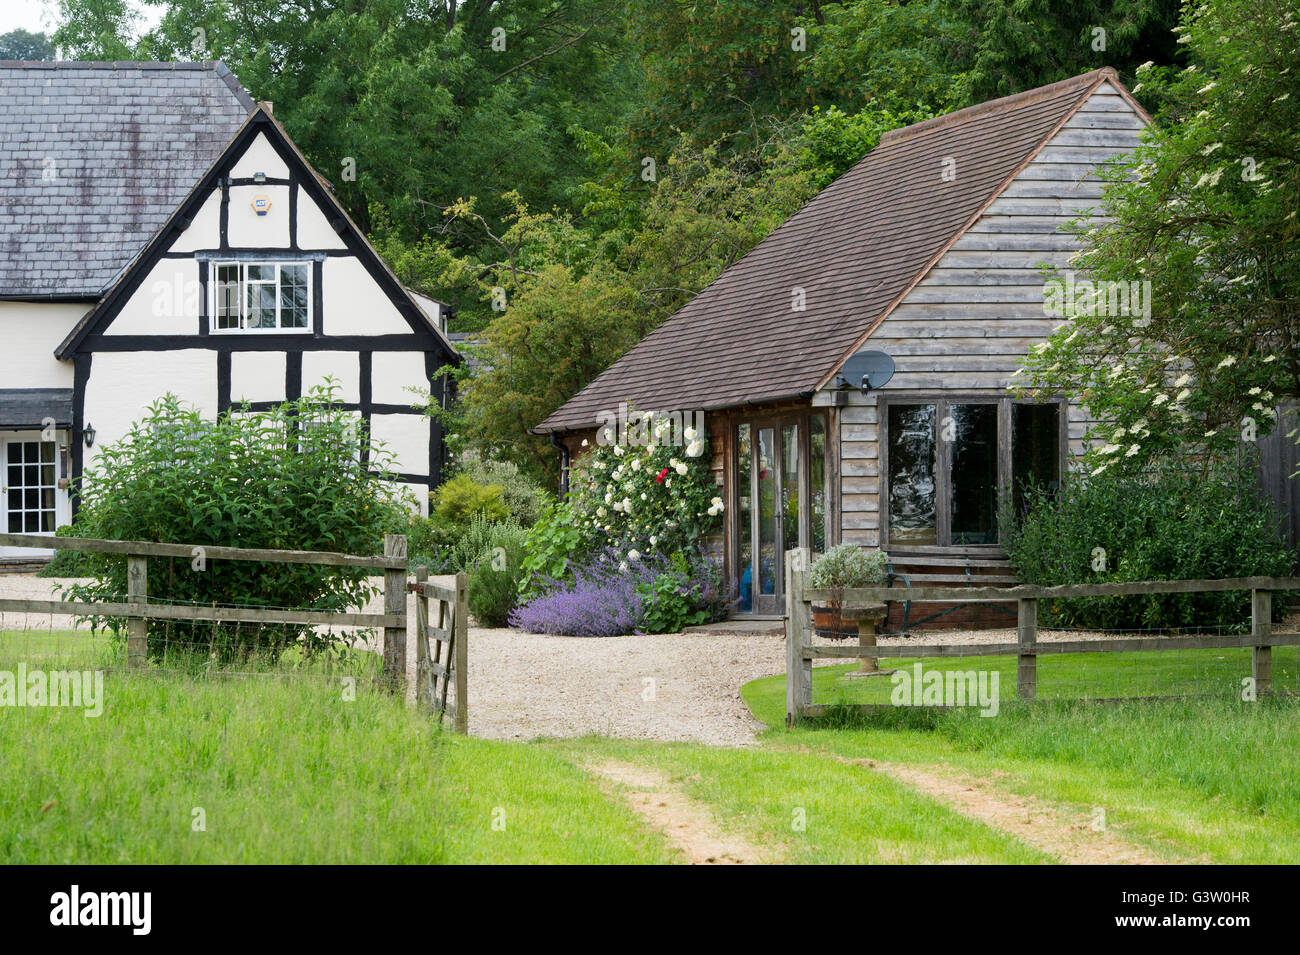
855 249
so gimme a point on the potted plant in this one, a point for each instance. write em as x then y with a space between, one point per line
839 569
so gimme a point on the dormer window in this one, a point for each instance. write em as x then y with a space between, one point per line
261 296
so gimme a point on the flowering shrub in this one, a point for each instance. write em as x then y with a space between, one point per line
657 499
602 600
608 597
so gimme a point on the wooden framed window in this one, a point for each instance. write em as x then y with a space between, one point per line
261 297
949 461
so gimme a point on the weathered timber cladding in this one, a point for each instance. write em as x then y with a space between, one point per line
968 324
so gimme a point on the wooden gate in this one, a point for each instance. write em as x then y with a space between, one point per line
436 671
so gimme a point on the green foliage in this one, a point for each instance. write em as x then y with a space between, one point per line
1172 522
461 499
523 497
830 142
495 575
688 594
25 45
555 544
288 479
416 94
999 47
576 297
1206 213
66 563
847 566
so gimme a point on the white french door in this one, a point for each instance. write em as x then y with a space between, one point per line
31 501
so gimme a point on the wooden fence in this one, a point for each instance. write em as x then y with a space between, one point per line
138 611
434 674
800 652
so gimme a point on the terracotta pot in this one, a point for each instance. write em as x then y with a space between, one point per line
828 624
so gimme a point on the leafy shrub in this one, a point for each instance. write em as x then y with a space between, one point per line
523 497
290 478
848 566
609 596
1172 522
555 544
462 498
494 573
687 593
429 541
67 563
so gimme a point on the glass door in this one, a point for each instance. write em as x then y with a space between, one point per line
30 499
776 506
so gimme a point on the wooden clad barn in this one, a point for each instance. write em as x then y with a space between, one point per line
928 250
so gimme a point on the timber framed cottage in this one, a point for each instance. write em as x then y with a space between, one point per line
160 233
929 251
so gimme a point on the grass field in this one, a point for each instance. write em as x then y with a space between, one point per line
1078 675
286 768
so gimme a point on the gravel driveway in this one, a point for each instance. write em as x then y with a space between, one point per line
661 687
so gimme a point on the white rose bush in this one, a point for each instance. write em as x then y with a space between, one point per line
626 550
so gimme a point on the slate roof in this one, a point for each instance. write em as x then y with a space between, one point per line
855 249
93 159
22 408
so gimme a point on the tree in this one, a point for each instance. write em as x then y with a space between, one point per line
572 300
25 45
1206 213
404 107
1004 46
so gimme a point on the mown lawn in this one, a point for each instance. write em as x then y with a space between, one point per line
1214 779
1076 675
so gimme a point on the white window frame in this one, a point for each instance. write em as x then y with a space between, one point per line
214 285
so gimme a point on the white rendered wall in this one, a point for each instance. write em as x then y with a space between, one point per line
122 385
29 333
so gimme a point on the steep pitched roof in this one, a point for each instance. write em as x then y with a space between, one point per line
316 189
855 250
93 159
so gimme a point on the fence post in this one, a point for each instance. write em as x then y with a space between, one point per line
137 592
462 654
1261 628
423 690
395 603
1027 637
798 621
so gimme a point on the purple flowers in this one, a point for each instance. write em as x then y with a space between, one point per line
602 601
609 597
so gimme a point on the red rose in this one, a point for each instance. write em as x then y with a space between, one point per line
661 476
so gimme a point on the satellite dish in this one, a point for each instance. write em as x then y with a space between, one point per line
866 370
